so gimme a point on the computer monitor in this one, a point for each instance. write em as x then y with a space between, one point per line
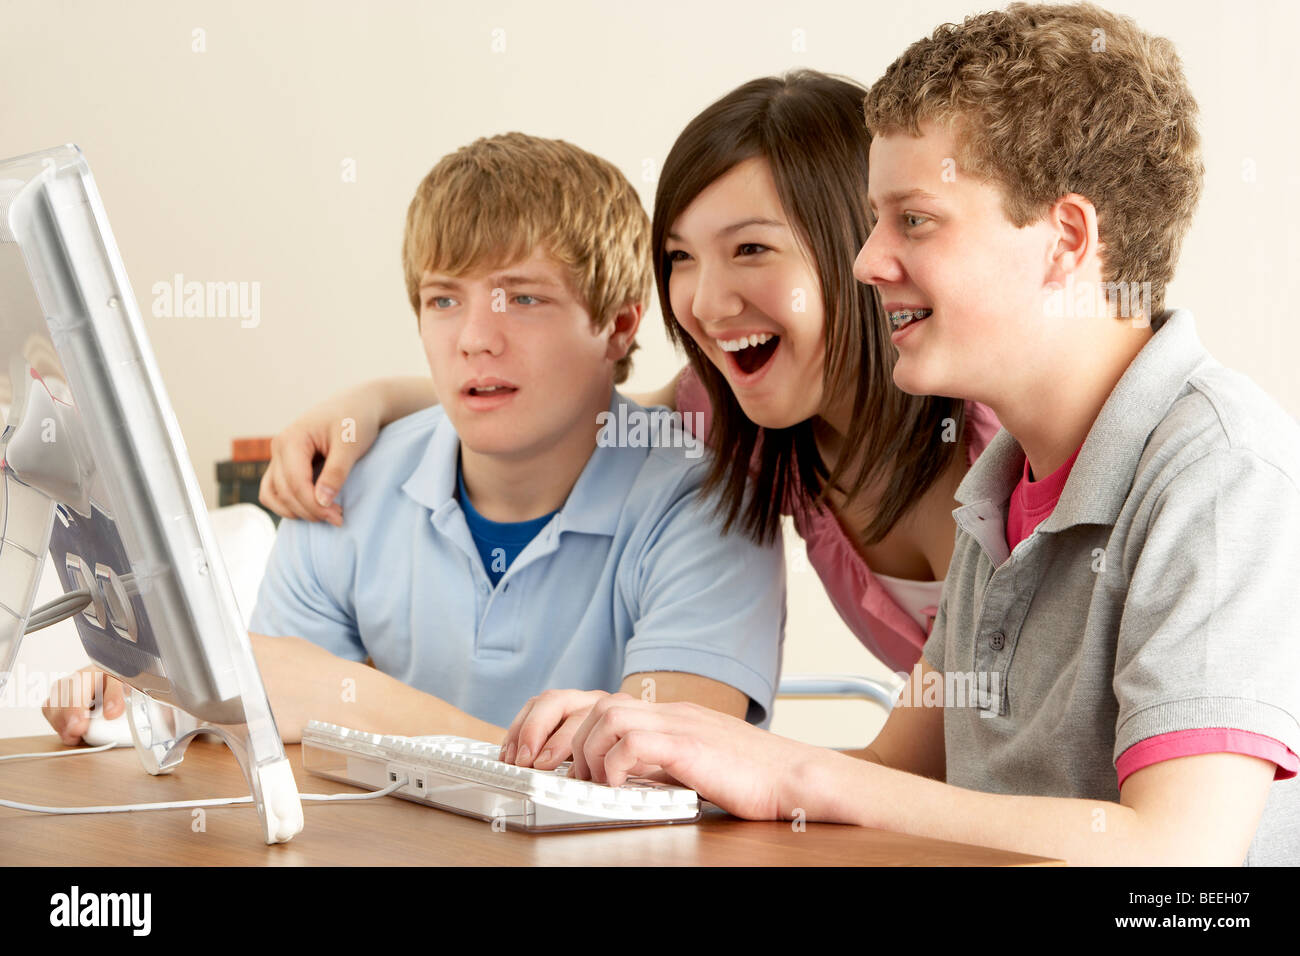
95 473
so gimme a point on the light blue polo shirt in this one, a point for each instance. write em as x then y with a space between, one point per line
632 575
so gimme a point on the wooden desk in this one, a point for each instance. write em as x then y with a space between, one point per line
385 831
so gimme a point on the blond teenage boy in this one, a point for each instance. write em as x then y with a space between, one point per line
509 541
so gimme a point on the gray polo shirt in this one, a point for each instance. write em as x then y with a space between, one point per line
1159 595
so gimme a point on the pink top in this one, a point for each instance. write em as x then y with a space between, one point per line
867 608
1031 502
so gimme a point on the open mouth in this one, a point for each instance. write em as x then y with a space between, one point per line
489 390
904 317
753 352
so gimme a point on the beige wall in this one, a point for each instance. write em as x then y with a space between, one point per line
227 165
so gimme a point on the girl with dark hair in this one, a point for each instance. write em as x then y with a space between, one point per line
760 212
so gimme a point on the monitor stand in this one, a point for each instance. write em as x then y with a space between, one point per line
160 731
162 734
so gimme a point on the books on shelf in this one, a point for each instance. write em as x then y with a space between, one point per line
239 478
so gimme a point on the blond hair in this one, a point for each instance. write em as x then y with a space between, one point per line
1047 100
493 202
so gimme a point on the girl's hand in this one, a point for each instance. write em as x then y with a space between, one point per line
748 772
341 429
541 735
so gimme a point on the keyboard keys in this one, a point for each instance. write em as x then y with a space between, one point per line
556 798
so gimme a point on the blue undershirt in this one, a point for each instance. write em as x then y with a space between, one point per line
498 542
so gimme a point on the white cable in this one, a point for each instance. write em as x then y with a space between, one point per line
186 804
65 753
396 785
129 808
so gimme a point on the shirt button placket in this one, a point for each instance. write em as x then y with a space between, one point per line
997 640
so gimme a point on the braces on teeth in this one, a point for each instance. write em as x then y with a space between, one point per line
904 316
735 345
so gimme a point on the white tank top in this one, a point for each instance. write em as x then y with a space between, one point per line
912 596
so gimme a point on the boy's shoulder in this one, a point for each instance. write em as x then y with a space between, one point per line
1178 423
397 451
412 431
672 448
646 466
1220 412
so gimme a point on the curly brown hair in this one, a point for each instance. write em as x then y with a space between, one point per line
1046 100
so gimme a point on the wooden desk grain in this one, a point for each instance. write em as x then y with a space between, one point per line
386 831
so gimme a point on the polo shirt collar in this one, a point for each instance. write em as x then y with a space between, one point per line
433 482
1103 473
593 506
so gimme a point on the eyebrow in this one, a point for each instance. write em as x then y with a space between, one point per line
505 281
737 226
898 195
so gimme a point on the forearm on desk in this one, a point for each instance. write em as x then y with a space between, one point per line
1079 831
305 682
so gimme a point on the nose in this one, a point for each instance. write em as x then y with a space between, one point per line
483 326
714 297
876 262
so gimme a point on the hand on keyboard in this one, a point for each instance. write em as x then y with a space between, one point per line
748 772
465 776
541 735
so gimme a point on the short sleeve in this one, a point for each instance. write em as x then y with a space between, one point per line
302 596
707 603
1208 636
1208 740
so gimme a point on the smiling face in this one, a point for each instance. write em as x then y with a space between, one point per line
743 289
964 288
516 361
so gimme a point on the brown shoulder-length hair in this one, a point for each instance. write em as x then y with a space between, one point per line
809 127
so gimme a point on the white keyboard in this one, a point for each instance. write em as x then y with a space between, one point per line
465 776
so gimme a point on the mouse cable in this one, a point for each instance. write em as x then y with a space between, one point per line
64 753
215 802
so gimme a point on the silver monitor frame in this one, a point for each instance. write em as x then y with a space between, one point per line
94 471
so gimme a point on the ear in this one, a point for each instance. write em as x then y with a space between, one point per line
1077 249
622 330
